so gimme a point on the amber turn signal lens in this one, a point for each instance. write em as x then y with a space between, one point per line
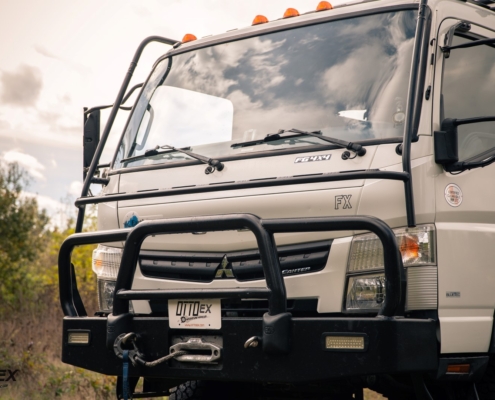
291 12
188 37
458 369
260 19
409 247
323 5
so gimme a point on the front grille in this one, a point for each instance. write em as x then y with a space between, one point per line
241 265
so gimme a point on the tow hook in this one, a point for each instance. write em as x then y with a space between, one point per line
122 343
206 353
252 342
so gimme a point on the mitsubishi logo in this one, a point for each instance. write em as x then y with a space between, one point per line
224 270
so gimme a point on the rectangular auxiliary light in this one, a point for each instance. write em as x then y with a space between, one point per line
78 337
345 341
458 369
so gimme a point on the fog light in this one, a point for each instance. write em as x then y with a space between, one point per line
458 369
78 337
345 341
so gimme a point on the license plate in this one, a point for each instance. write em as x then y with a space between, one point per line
195 314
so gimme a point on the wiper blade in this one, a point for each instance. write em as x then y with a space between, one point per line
213 164
354 147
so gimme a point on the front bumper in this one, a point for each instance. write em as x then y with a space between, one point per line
395 345
292 349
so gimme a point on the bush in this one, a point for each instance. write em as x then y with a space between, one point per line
30 312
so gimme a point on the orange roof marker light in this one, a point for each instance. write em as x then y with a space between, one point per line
260 19
291 12
324 5
188 37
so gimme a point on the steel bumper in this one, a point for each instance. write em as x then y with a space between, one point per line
394 345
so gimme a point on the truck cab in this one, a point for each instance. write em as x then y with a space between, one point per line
300 208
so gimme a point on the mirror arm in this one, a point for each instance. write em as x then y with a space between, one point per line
129 94
475 120
446 49
100 181
466 166
111 119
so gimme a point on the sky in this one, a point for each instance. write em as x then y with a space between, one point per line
58 56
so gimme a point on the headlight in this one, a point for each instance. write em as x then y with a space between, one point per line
106 264
365 289
106 288
365 292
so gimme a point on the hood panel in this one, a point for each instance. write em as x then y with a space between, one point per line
315 203
288 201
243 170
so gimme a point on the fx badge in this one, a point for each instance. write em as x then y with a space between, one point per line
343 201
325 157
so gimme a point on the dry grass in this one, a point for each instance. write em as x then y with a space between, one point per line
30 341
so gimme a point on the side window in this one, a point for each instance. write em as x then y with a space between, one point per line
468 91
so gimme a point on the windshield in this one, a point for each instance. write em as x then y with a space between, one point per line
346 78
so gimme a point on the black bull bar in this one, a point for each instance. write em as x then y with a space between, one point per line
277 327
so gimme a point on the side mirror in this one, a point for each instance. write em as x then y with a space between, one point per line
91 138
446 150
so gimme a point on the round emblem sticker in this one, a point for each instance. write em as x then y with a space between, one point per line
131 219
453 195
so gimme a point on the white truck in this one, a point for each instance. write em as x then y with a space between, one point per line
302 208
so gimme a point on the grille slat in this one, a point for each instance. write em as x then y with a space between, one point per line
245 265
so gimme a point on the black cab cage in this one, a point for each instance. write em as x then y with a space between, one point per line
277 317
415 95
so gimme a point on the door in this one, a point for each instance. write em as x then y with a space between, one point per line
465 201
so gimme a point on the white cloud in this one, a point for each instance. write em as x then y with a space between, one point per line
26 161
59 213
75 188
47 203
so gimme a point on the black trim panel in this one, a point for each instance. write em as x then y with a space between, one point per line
245 265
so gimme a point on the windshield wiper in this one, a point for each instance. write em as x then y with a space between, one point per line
354 147
213 164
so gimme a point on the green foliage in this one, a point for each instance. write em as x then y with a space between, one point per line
81 258
23 236
30 312
29 250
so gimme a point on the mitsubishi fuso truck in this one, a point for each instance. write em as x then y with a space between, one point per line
300 209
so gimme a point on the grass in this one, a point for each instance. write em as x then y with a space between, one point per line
30 341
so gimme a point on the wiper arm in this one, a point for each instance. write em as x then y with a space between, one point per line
354 147
213 164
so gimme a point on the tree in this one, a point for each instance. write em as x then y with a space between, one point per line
23 233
